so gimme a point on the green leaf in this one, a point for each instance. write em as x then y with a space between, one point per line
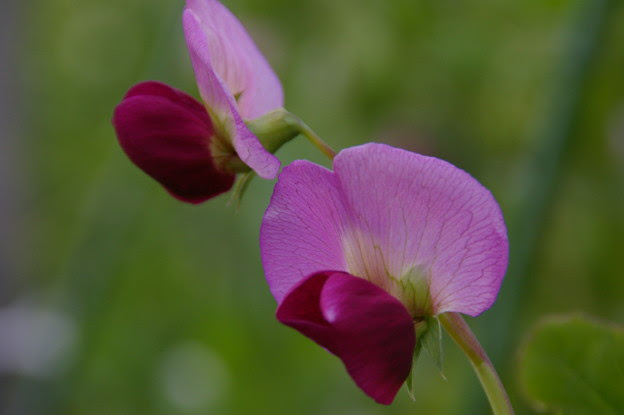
574 365
240 188
409 381
428 337
432 343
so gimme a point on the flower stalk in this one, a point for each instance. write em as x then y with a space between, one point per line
460 332
279 126
317 141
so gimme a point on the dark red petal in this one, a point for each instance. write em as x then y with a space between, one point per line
167 134
367 328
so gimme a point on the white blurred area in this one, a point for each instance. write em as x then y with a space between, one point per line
35 341
193 378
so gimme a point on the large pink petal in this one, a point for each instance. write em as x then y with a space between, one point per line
301 230
167 134
368 329
219 100
403 221
423 217
236 59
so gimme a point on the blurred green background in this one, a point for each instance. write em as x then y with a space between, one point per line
117 299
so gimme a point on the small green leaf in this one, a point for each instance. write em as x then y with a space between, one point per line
429 337
432 343
409 383
574 365
240 187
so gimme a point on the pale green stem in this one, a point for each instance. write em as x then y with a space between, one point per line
308 133
457 328
317 141
279 126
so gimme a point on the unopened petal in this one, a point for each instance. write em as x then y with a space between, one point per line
219 100
167 134
368 329
236 59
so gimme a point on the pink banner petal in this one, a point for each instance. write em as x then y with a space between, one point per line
219 100
302 227
237 60
413 214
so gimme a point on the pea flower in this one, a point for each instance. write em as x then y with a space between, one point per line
194 150
357 256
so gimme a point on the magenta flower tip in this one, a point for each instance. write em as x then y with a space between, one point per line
368 329
167 134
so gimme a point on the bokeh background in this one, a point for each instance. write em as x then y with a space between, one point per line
117 299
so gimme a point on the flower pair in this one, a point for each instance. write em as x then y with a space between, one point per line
195 150
358 257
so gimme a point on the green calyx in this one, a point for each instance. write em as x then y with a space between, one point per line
275 128
416 295
225 157
415 292
428 337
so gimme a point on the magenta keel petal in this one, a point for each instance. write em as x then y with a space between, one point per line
368 329
167 134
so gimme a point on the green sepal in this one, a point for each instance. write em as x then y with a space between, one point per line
432 343
240 187
420 328
428 337
275 128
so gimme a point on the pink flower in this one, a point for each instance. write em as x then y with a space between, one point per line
357 256
195 150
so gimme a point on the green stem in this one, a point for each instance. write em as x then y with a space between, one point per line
308 133
303 129
279 126
492 385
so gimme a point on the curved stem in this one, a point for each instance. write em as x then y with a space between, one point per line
317 141
492 385
279 126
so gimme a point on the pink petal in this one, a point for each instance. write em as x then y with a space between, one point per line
219 98
167 134
368 329
419 212
236 59
388 215
301 229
